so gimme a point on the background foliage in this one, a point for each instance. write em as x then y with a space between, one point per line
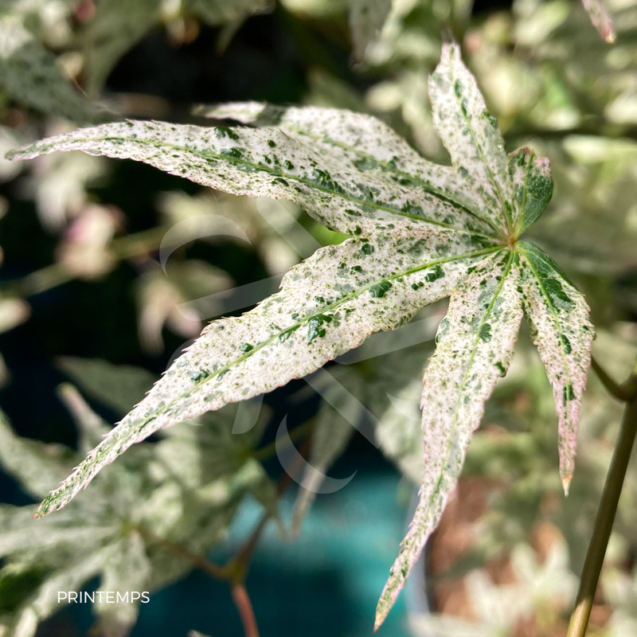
84 300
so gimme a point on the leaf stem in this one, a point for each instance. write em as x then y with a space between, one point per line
239 564
621 392
56 274
244 606
605 516
268 451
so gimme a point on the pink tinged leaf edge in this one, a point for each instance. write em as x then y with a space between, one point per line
566 371
414 542
601 19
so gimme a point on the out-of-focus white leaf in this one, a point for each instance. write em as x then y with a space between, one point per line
366 19
29 73
13 312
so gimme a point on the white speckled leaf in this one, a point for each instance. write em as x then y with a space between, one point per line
44 601
471 135
601 19
558 315
19 534
366 19
474 347
329 304
102 534
29 73
345 195
370 145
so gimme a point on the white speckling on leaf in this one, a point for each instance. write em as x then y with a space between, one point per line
471 135
342 192
369 144
127 570
474 347
328 304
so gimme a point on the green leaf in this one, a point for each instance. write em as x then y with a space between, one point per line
558 315
532 186
29 73
118 24
227 11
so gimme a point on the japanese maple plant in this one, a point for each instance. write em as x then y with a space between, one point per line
418 232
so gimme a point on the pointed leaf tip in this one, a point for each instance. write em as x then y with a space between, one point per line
566 484
601 19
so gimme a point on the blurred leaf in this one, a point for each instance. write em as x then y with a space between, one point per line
217 12
331 432
600 18
29 73
120 387
366 18
119 533
13 312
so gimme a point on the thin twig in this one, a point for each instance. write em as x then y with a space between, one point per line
269 450
198 561
621 392
240 562
56 274
246 612
605 519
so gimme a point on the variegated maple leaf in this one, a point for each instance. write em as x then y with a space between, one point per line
419 232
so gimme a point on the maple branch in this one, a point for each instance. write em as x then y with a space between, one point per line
605 514
237 588
244 606
198 561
